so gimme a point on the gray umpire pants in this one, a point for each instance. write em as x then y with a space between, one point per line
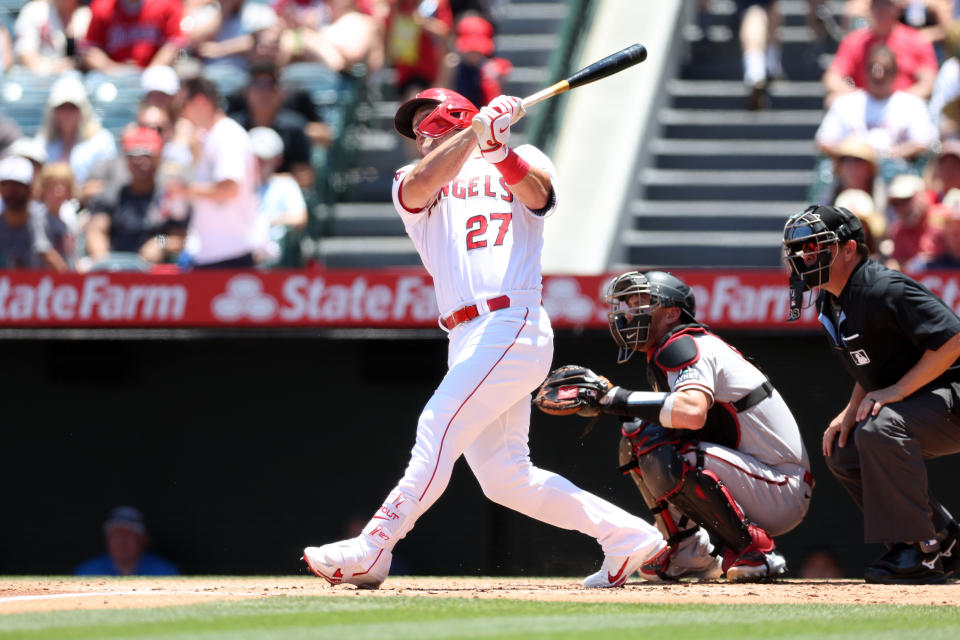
883 465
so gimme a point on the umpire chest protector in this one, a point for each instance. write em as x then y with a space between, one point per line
679 350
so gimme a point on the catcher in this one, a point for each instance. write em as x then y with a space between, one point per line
715 451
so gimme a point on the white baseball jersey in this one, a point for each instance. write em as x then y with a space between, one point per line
476 239
768 430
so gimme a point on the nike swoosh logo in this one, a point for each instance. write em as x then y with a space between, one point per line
504 129
614 579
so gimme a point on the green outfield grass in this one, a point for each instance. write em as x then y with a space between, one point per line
418 618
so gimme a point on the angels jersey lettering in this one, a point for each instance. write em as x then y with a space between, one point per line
476 239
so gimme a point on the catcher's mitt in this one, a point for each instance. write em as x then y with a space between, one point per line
572 389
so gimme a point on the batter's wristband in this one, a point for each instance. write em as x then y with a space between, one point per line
513 168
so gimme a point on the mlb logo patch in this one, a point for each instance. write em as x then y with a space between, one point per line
566 393
860 357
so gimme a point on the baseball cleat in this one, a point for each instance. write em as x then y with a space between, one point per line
907 564
349 562
755 566
664 566
616 569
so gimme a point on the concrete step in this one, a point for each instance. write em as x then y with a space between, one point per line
367 252
719 124
366 219
679 184
758 155
712 215
732 94
678 249
532 18
526 50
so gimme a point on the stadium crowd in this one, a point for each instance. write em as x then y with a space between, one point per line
161 187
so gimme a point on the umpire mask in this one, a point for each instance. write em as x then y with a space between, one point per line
808 238
633 296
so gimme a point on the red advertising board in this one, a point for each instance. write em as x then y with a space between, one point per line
392 298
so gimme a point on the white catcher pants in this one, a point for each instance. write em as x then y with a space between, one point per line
482 410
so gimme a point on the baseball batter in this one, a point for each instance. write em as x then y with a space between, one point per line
715 451
475 213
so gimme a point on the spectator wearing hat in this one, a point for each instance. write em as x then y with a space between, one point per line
46 35
71 132
860 203
282 211
127 541
895 123
853 166
916 67
32 149
160 85
947 214
915 238
476 74
263 106
23 239
129 35
126 216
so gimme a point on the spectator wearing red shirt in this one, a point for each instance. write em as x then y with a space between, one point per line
915 238
132 32
476 74
916 59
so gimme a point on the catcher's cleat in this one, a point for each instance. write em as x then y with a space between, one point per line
759 561
350 561
756 566
664 567
616 569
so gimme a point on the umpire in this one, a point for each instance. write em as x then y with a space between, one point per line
901 344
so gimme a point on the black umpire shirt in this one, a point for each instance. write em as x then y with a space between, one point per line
883 322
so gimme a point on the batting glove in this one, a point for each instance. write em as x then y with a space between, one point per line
495 118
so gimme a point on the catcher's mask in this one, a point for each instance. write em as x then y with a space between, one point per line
807 241
452 111
629 319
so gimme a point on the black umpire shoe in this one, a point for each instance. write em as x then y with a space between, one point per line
949 538
907 564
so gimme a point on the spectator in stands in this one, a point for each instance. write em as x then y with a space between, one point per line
127 541
476 74
6 49
853 166
946 170
71 132
945 101
916 62
350 37
161 86
55 188
46 35
874 222
263 99
9 133
222 33
931 17
222 226
32 149
760 45
416 36
128 35
949 216
915 238
895 123
126 216
23 238
282 211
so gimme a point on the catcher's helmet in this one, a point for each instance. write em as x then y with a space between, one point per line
630 323
452 111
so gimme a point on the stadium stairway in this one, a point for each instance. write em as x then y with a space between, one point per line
362 229
721 180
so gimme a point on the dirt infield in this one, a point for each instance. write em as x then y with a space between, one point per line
28 595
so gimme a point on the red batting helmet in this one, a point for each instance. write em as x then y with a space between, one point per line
452 111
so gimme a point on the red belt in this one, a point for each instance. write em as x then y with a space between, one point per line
470 311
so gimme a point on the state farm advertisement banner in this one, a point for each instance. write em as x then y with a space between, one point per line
394 298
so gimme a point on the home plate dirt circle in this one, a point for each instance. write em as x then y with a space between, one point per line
57 594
